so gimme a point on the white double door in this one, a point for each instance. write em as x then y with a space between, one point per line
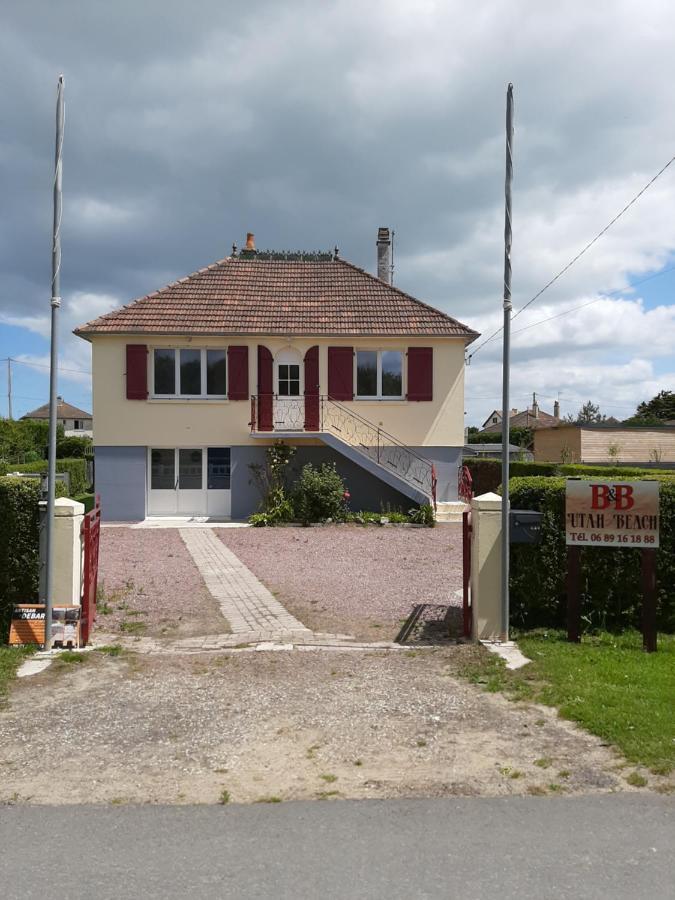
189 481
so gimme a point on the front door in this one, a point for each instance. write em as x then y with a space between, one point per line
189 481
190 494
289 405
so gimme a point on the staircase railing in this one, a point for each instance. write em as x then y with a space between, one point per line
286 414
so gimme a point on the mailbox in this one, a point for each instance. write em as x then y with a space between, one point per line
525 526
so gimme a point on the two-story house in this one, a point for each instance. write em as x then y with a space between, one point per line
192 382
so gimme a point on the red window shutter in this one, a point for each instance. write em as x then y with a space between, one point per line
237 373
420 373
341 373
265 388
312 389
137 372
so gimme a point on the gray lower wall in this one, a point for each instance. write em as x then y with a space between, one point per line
120 480
121 476
447 461
367 491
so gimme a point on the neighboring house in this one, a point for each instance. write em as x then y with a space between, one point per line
494 451
606 444
192 382
76 422
533 417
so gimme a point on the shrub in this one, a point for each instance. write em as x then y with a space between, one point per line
319 494
271 480
19 544
422 515
487 473
76 468
72 447
24 439
611 594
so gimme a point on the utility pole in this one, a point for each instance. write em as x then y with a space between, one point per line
506 365
53 360
9 387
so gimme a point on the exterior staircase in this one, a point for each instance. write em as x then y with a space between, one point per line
345 431
450 511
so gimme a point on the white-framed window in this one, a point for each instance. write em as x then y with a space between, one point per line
78 425
379 374
197 372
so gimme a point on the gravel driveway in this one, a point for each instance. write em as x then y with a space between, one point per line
150 585
353 579
285 725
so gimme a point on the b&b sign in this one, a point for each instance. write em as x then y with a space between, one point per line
612 513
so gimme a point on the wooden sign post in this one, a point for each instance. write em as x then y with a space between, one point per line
612 514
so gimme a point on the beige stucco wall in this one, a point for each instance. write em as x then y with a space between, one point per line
592 445
561 444
627 445
122 422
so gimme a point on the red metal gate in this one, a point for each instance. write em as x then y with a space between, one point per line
91 532
466 572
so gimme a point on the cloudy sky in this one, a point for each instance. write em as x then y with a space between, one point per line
311 124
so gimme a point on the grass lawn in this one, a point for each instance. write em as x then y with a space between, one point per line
10 659
607 684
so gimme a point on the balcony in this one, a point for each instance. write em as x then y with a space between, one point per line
350 434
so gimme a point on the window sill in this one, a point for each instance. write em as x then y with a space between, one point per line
380 399
169 400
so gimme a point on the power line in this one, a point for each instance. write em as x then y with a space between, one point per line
604 296
23 362
581 252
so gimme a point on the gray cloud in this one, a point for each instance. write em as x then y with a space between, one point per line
312 124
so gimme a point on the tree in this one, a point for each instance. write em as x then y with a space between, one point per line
657 410
589 414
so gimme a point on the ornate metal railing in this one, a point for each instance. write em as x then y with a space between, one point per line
270 414
464 484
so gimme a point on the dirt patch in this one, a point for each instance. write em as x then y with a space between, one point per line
352 579
149 585
286 725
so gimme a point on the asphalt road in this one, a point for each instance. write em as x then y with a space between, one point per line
603 846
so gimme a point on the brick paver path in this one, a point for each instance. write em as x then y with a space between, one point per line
244 601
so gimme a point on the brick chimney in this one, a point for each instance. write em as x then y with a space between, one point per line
384 255
556 409
535 406
250 241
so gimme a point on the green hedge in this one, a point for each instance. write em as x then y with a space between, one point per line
19 544
487 473
611 593
77 468
74 447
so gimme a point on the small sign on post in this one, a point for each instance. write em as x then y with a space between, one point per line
614 514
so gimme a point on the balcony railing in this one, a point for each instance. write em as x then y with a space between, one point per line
272 414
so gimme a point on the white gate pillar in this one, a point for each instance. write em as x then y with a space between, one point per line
68 553
486 567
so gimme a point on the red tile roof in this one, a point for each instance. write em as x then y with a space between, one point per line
239 295
525 419
63 411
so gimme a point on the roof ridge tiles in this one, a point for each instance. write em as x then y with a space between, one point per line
313 295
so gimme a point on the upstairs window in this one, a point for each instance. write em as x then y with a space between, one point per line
190 372
379 374
289 380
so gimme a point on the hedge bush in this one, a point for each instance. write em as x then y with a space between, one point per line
487 473
19 544
611 593
73 447
320 494
77 469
